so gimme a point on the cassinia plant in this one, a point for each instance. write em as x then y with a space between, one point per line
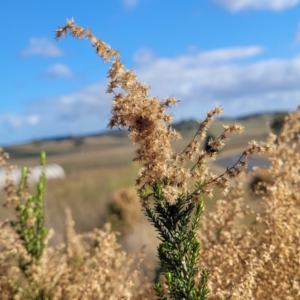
88 266
29 227
178 251
30 217
170 191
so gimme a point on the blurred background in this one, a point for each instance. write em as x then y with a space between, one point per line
243 55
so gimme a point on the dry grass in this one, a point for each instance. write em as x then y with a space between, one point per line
249 254
261 260
94 172
257 261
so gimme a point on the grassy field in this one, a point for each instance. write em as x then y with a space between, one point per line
102 165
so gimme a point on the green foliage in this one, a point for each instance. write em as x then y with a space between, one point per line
278 121
186 125
178 251
77 141
30 217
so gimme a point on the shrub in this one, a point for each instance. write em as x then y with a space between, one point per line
124 210
259 179
171 204
236 262
77 141
278 121
88 266
260 261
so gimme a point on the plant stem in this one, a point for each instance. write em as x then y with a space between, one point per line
178 251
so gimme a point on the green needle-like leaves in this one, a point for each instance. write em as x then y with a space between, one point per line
178 251
30 217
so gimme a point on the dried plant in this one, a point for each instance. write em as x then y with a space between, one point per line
169 190
30 217
260 261
88 266
124 211
148 122
236 261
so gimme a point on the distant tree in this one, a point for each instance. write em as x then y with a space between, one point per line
76 140
36 142
186 125
278 121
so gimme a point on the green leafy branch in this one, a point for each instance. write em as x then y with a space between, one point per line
30 217
178 251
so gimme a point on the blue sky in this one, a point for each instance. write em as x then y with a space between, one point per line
241 54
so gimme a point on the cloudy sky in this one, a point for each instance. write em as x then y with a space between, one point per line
241 54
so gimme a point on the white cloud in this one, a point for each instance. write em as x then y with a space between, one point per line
16 121
42 47
200 80
239 5
215 77
130 3
33 120
11 120
222 55
57 71
85 110
234 78
143 56
88 96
